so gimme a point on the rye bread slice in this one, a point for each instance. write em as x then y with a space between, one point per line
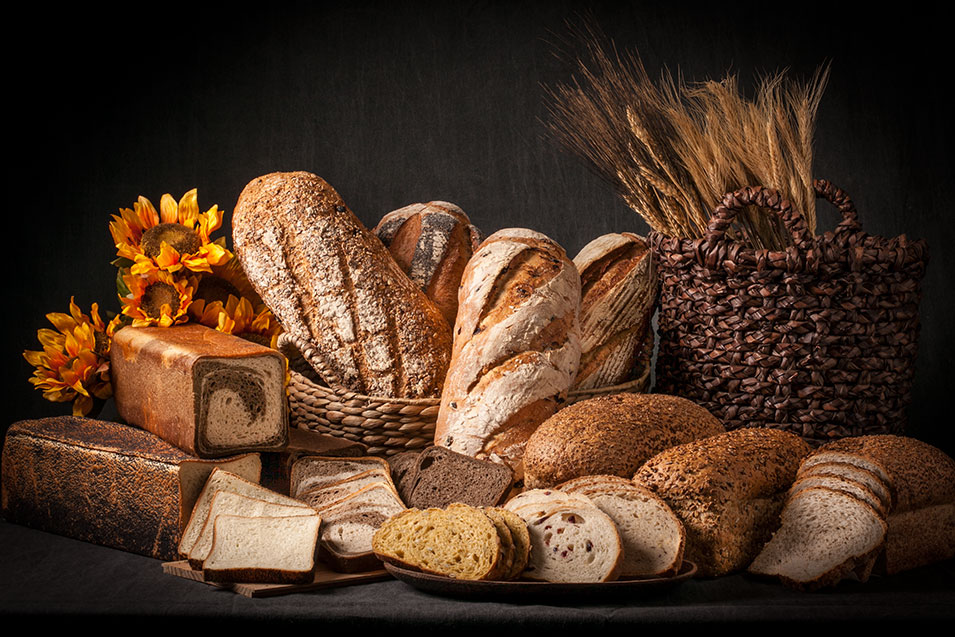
442 476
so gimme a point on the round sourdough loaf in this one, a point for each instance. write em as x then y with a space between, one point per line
337 291
611 435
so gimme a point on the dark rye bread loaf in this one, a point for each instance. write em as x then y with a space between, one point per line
611 435
440 477
105 483
337 291
618 290
728 491
209 393
432 243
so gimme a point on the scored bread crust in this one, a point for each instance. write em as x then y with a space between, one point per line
516 346
337 290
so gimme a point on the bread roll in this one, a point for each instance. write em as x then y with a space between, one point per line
618 289
337 291
516 346
432 243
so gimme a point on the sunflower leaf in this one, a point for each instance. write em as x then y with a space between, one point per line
121 288
122 262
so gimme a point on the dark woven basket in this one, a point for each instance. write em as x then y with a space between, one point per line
819 339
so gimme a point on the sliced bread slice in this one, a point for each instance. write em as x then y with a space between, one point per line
279 550
310 472
442 476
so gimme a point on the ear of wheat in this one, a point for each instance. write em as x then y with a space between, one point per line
672 149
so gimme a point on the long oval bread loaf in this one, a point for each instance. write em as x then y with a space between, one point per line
618 288
337 291
516 346
432 243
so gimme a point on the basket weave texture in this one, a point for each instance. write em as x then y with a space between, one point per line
389 425
819 339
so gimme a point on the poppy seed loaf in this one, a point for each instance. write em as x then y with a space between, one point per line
612 435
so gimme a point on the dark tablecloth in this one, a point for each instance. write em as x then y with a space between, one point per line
54 578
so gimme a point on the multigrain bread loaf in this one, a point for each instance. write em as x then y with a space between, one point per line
824 536
337 291
209 393
105 483
618 290
728 491
516 346
921 478
432 243
611 435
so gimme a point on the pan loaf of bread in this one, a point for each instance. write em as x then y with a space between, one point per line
432 243
337 291
618 289
209 393
516 346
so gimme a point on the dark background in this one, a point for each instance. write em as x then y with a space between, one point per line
420 101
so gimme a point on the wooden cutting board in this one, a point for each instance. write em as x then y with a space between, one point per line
324 578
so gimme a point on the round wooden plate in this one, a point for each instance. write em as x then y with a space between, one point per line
511 591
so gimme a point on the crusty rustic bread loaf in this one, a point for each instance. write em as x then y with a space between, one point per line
207 392
921 478
727 490
611 435
516 346
618 290
652 536
337 291
105 483
432 243
824 536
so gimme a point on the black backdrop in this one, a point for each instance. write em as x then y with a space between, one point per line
405 102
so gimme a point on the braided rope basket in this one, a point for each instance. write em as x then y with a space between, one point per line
819 339
388 425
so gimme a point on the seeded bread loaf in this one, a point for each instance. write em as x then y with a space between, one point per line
618 290
611 435
728 491
209 393
337 291
516 346
105 483
432 243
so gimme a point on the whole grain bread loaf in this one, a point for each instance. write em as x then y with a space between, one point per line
618 291
728 491
516 346
432 243
337 291
612 435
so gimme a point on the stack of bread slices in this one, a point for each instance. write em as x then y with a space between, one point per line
240 531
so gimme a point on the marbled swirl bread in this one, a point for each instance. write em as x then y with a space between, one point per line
337 291
432 243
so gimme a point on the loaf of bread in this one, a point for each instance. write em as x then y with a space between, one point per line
432 243
611 435
105 483
618 290
209 393
337 291
921 480
516 346
728 491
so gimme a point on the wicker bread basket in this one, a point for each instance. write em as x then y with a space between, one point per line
819 339
388 425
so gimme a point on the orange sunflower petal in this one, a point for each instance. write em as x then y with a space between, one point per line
189 208
148 217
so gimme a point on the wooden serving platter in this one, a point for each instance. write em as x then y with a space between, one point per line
324 578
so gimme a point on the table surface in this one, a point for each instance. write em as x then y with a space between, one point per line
51 577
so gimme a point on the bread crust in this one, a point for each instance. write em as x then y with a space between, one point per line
337 291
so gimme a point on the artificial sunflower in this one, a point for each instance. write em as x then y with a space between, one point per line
237 316
157 298
175 238
74 362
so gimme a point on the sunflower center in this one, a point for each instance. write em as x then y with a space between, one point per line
213 288
178 236
157 295
101 344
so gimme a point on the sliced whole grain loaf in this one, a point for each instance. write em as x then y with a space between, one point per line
851 472
824 536
843 484
611 435
727 491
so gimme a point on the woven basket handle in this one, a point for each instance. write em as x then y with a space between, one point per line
734 202
838 198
